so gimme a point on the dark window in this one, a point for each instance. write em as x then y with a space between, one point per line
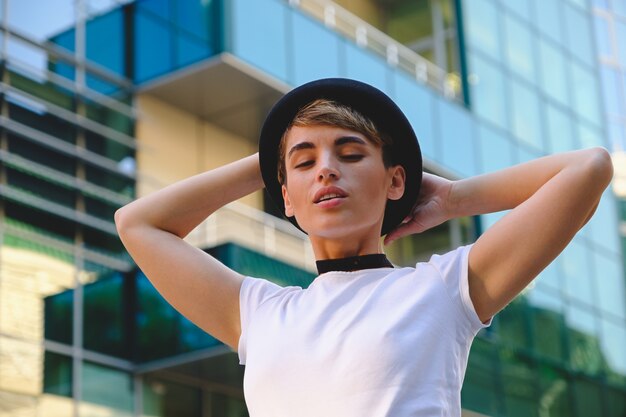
57 374
42 155
59 310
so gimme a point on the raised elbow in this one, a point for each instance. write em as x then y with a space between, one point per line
600 166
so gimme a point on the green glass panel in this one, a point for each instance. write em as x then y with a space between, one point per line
519 384
615 402
104 321
548 324
514 324
587 397
107 390
58 317
585 352
110 117
480 386
46 91
168 399
554 393
57 374
225 406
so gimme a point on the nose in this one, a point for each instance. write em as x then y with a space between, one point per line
328 169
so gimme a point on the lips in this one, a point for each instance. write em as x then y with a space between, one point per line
328 193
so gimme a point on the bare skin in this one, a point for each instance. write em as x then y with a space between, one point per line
551 199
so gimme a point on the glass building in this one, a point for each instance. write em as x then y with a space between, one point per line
104 101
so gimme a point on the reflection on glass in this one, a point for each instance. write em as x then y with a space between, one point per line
579 35
519 385
610 286
586 94
583 339
554 393
613 343
480 386
548 19
106 391
548 324
57 376
587 397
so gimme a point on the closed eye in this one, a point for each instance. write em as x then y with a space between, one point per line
352 157
304 164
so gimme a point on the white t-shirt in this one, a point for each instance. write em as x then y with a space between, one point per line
376 342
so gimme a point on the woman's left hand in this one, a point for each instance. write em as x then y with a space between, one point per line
432 208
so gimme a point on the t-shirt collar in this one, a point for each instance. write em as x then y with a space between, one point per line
353 263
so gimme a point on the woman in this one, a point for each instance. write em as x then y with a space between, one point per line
365 339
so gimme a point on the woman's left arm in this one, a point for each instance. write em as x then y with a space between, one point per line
551 199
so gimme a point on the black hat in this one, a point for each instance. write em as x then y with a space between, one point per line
371 103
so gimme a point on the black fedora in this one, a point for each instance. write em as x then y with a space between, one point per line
371 103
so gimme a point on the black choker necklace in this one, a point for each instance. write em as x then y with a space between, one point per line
353 263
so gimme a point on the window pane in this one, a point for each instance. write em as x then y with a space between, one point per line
553 72
168 399
613 343
526 115
457 131
579 34
58 316
574 263
480 386
150 61
555 395
496 149
586 99
587 396
519 48
548 18
106 41
611 289
561 134
520 7
487 91
106 390
611 91
585 353
620 34
481 23
57 375
603 38
547 324
518 381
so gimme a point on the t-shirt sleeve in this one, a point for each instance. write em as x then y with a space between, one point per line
454 269
253 293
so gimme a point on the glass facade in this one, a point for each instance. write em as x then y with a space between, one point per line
83 332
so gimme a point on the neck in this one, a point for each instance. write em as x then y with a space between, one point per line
329 248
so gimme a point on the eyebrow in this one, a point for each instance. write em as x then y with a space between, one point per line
343 140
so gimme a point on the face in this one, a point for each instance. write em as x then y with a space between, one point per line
336 183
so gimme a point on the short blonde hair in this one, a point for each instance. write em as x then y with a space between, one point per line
322 112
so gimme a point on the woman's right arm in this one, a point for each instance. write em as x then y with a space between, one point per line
152 229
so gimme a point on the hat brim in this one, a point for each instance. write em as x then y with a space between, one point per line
371 103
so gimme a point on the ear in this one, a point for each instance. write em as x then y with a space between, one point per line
398 181
288 207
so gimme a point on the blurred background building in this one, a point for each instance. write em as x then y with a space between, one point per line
103 101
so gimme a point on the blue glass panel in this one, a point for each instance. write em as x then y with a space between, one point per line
579 3
620 34
457 138
611 288
487 91
105 41
600 3
586 98
603 39
363 65
153 47
520 7
589 136
481 19
560 129
520 50
158 7
604 223
619 7
553 72
611 91
525 154
194 17
189 50
617 135
496 149
613 343
579 36
574 262
416 102
488 220
548 18
315 52
261 42
526 109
